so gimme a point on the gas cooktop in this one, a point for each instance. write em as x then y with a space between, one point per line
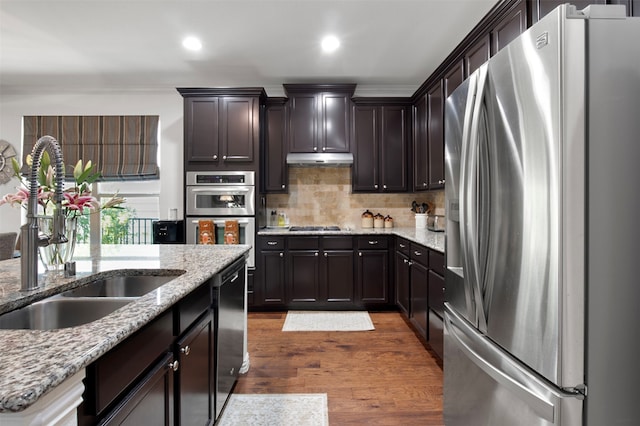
314 228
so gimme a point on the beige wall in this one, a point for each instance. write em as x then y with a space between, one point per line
322 196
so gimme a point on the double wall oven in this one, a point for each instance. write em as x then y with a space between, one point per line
220 197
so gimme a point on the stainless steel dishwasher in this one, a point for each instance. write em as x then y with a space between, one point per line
229 295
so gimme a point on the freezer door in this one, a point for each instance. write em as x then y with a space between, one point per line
483 385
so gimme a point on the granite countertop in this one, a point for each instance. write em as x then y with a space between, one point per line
430 239
32 362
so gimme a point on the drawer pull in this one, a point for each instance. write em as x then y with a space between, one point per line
174 365
186 350
417 253
281 254
373 243
402 245
316 254
326 254
272 243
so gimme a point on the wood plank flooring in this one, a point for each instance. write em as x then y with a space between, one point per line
381 377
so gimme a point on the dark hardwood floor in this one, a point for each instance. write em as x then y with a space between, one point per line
381 377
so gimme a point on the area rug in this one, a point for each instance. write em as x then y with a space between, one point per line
299 409
327 321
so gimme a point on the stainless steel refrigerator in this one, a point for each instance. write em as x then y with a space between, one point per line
542 323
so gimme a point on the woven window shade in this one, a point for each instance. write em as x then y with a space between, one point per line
123 147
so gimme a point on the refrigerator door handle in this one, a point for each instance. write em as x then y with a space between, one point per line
473 204
545 408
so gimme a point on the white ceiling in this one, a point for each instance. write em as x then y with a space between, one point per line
389 47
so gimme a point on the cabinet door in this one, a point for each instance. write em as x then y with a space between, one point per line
393 149
151 401
334 122
195 374
435 130
365 139
239 133
275 167
373 277
419 298
338 276
402 282
303 277
420 146
510 26
272 265
303 123
477 55
201 129
453 78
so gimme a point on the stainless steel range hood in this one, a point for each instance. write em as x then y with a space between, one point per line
334 159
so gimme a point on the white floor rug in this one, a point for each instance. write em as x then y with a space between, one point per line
327 321
299 409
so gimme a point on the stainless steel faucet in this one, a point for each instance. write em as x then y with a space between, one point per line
30 238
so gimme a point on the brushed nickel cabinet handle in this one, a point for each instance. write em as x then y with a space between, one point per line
174 365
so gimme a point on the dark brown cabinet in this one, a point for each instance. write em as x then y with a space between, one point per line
420 145
477 55
303 277
435 136
305 271
319 117
269 286
194 381
402 276
336 271
275 146
436 302
419 289
509 27
221 128
152 400
372 277
380 146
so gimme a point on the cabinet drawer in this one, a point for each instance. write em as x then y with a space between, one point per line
117 370
373 242
271 242
436 261
191 307
304 243
420 254
337 243
403 246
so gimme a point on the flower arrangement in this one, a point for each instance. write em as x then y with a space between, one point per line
77 197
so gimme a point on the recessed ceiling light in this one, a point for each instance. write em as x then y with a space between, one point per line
192 43
330 44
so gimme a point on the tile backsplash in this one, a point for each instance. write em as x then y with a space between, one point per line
322 196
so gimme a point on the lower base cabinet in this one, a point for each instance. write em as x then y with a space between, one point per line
151 401
194 373
178 369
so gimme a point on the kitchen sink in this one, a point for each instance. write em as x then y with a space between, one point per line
120 286
58 312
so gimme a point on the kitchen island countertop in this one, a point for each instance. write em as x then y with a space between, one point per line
33 362
430 239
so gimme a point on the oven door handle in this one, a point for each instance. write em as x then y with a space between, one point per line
221 221
221 190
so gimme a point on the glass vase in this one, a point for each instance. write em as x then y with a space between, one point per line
54 256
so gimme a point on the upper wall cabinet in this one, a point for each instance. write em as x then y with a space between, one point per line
275 146
510 26
222 128
380 145
435 135
477 54
420 145
319 117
